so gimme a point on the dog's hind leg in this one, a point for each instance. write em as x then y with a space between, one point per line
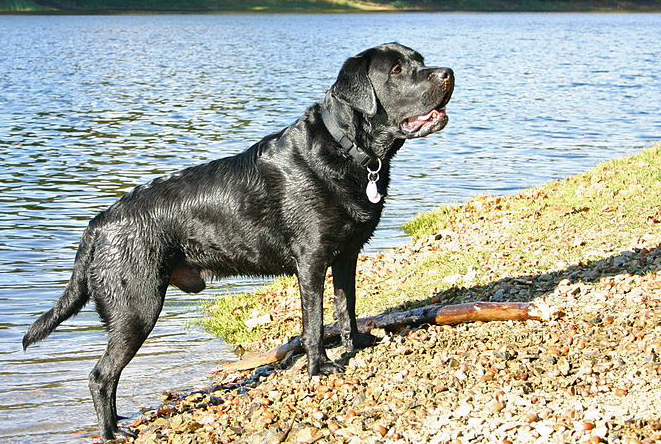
130 319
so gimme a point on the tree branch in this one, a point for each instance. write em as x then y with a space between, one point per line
393 322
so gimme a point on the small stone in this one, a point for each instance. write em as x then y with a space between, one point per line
161 422
563 366
587 426
177 421
499 295
381 430
531 417
475 422
497 406
554 351
525 435
258 320
462 411
307 435
319 415
601 432
544 429
620 392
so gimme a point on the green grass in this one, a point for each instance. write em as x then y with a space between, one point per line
431 222
466 252
614 194
227 316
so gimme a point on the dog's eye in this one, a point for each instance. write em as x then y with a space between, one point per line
397 69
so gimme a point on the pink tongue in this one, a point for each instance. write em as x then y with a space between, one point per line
414 123
427 116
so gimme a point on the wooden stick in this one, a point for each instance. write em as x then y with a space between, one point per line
430 314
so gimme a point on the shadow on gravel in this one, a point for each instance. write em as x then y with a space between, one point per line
526 288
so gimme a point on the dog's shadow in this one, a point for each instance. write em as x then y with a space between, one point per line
524 288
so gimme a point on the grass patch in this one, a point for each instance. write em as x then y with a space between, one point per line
612 198
228 314
474 250
431 222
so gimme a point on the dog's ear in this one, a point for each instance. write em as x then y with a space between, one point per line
354 87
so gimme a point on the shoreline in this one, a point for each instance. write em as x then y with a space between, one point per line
589 245
316 11
337 6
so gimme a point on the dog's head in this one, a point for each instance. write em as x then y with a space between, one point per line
392 96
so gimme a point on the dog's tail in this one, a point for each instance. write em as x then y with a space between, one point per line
73 299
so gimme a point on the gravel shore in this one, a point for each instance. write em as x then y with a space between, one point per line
594 375
591 375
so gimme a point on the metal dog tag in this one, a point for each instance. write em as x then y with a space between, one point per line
372 192
372 177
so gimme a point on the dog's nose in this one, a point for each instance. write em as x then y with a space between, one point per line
443 74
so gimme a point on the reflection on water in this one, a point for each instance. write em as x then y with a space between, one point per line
92 106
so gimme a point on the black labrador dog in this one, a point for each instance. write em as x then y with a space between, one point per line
297 202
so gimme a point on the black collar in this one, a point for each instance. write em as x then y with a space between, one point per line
350 149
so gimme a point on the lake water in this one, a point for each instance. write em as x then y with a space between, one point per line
91 106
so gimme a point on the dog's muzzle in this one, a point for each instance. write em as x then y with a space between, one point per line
435 119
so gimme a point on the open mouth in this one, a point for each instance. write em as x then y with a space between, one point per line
424 124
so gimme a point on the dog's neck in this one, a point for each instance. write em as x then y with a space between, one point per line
349 146
374 139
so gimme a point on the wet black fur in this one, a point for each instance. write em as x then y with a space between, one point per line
290 204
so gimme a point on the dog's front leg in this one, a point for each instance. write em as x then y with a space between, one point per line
344 284
311 282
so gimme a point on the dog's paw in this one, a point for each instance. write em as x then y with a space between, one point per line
361 340
121 435
330 367
127 433
325 367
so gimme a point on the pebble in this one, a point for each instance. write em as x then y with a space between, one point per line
381 430
307 435
497 406
587 426
531 417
